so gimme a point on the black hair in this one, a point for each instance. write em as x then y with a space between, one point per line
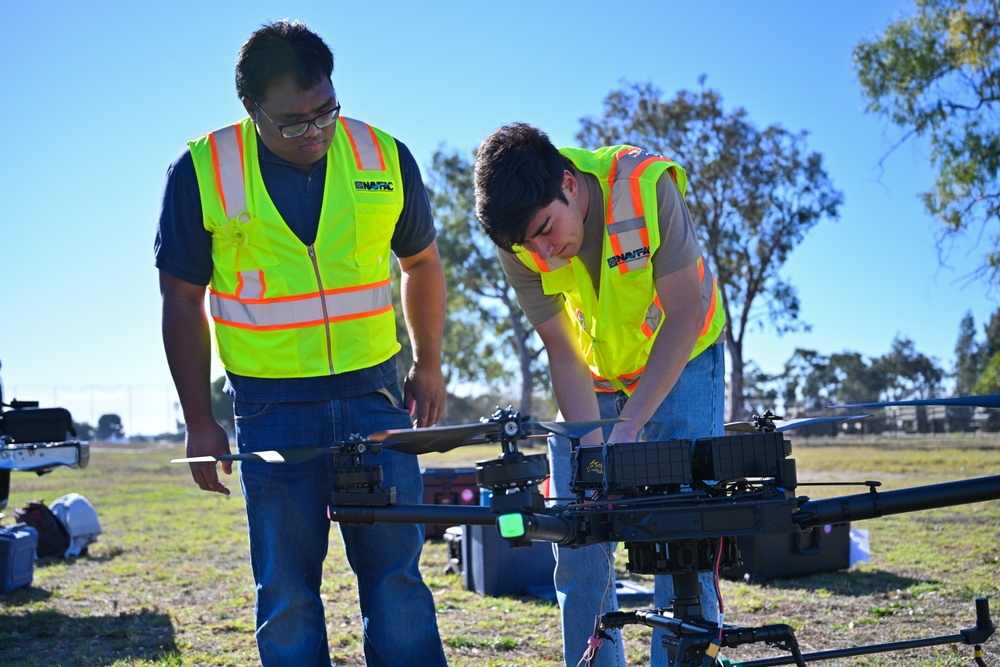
280 49
518 171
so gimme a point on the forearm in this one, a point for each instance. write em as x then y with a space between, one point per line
669 355
189 356
187 343
423 295
422 291
680 295
571 381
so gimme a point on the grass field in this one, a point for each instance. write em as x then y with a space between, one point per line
168 582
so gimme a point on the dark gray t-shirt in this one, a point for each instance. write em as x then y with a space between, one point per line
183 248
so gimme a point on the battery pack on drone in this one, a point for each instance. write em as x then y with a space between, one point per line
18 544
734 457
631 465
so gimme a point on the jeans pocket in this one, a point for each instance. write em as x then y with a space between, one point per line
246 410
393 398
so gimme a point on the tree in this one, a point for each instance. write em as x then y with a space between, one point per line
858 381
937 76
84 431
760 392
794 378
753 194
909 374
968 356
488 339
992 343
109 427
818 379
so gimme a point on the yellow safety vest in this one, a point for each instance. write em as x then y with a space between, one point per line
282 309
617 330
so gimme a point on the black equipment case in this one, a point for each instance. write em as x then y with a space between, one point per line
31 424
18 545
490 566
448 486
775 555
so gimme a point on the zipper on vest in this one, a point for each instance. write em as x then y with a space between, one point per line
322 301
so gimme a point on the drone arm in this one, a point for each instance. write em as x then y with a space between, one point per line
438 514
869 505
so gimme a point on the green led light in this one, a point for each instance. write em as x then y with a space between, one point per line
511 526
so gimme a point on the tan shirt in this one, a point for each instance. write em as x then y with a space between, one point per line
679 248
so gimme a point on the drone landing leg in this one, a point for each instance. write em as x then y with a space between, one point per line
688 637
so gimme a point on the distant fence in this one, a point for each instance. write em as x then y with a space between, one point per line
144 410
909 419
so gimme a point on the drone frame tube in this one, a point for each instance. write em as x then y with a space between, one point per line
875 504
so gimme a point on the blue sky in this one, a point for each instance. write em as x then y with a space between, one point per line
100 97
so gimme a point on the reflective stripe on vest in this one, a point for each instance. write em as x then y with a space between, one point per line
249 312
624 216
367 152
227 156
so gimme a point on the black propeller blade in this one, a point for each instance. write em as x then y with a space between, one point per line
434 438
438 439
747 427
442 439
984 401
577 429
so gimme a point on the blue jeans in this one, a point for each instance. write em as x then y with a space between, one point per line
289 533
693 409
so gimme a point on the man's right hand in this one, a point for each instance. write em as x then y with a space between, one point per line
210 441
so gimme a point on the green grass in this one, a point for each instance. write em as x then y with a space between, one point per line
168 583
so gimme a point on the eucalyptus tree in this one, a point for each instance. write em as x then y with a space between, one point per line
909 374
936 75
970 358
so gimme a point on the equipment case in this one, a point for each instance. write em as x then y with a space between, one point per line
18 544
37 425
490 566
448 486
775 555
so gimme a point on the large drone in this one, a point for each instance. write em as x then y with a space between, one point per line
678 505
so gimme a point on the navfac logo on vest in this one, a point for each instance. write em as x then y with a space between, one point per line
615 260
374 186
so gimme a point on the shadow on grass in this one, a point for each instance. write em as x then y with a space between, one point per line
51 638
855 584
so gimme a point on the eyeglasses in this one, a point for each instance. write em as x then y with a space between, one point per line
292 130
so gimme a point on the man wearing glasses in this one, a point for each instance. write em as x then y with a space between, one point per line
287 220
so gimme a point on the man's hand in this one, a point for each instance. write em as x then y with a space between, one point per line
424 395
211 441
627 431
